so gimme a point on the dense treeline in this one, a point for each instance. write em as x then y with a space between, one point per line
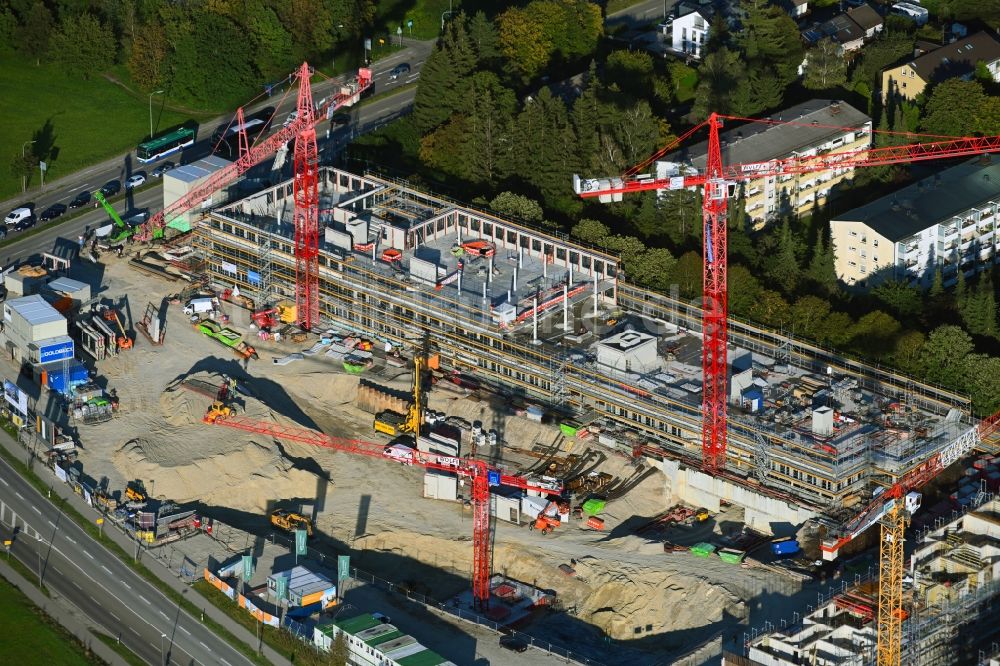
486 126
209 54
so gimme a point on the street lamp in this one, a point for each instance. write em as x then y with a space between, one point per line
333 63
162 656
155 92
24 177
444 13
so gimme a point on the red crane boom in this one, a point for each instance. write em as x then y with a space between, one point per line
306 195
347 95
716 180
483 476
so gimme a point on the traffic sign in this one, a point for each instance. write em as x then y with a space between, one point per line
493 477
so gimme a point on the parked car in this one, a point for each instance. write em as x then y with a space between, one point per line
162 169
513 644
81 199
135 180
52 212
24 224
17 216
111 188
340 119
398 71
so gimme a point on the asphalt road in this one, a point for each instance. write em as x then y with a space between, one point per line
119 168
640 14
78 568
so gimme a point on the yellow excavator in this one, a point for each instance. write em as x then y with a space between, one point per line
291 521
392 423
135 491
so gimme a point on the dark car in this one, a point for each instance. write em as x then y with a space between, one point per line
25 224
162 169
111 188
340 119
398 71
82 199
513 644
52 212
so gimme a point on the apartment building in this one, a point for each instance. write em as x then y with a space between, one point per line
958 59
802 131
944 221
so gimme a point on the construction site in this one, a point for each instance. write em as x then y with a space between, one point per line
452 397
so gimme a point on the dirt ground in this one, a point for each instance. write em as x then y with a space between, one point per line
625 586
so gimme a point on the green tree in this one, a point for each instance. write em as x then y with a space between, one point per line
586 117
545 143
632 71
899 297
979 308
942 116
744 289
767 90
651 268
944 356
590 231
484 39
982 373
880 54
448 148
822 269
770 39
837 329
515 205
687 274
627 136
523 41
272 43
214 39
783 267
445 79
720 74
808 316
311 21
147 56
340 652
771 309
937 285
37 30
80 45
874 333
826 67
908 352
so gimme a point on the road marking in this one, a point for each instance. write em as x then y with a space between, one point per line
117 619
50 523
4 481
225 662
126 585
76 585
88 554
105 568
19 495
70 539
92 598
165 616
145 599
203 645
37 510
184 630
132 629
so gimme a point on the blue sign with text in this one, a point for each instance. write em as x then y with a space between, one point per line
55 352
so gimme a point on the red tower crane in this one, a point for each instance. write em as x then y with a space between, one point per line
717 180
346 95
482 474
306 195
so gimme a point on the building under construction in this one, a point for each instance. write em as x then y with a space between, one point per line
952 587
552 323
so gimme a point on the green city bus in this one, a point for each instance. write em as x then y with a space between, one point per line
154 149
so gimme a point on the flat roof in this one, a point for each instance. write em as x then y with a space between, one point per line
198 169
67 284
759 142
627 340
35 310
929 201
356 624
301 580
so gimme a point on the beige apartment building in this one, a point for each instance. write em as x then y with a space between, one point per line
808 129
958 59
945 221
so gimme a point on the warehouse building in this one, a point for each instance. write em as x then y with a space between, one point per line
815 127
947 221
536 316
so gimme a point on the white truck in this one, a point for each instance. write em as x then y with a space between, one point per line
199 306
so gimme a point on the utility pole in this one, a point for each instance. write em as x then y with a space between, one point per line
24 178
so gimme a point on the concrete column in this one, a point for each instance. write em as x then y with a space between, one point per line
566 308
459 281
515 278
545 265
596 281
458 228
534 321
484 291
571 275
520 257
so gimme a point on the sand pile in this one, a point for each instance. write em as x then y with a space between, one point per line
243 475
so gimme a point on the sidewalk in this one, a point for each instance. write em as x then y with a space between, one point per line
58 612
151 563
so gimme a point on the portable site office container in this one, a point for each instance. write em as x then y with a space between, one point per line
304 587
31 319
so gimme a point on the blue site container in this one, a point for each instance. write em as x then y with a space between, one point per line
56 380
786 546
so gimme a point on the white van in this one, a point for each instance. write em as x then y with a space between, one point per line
17 216
400 452
199 305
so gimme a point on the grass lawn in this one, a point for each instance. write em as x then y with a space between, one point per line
30 636
685 81
425 14
82 121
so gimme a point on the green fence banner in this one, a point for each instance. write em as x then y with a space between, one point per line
343 567
300 542
281 587
247 567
